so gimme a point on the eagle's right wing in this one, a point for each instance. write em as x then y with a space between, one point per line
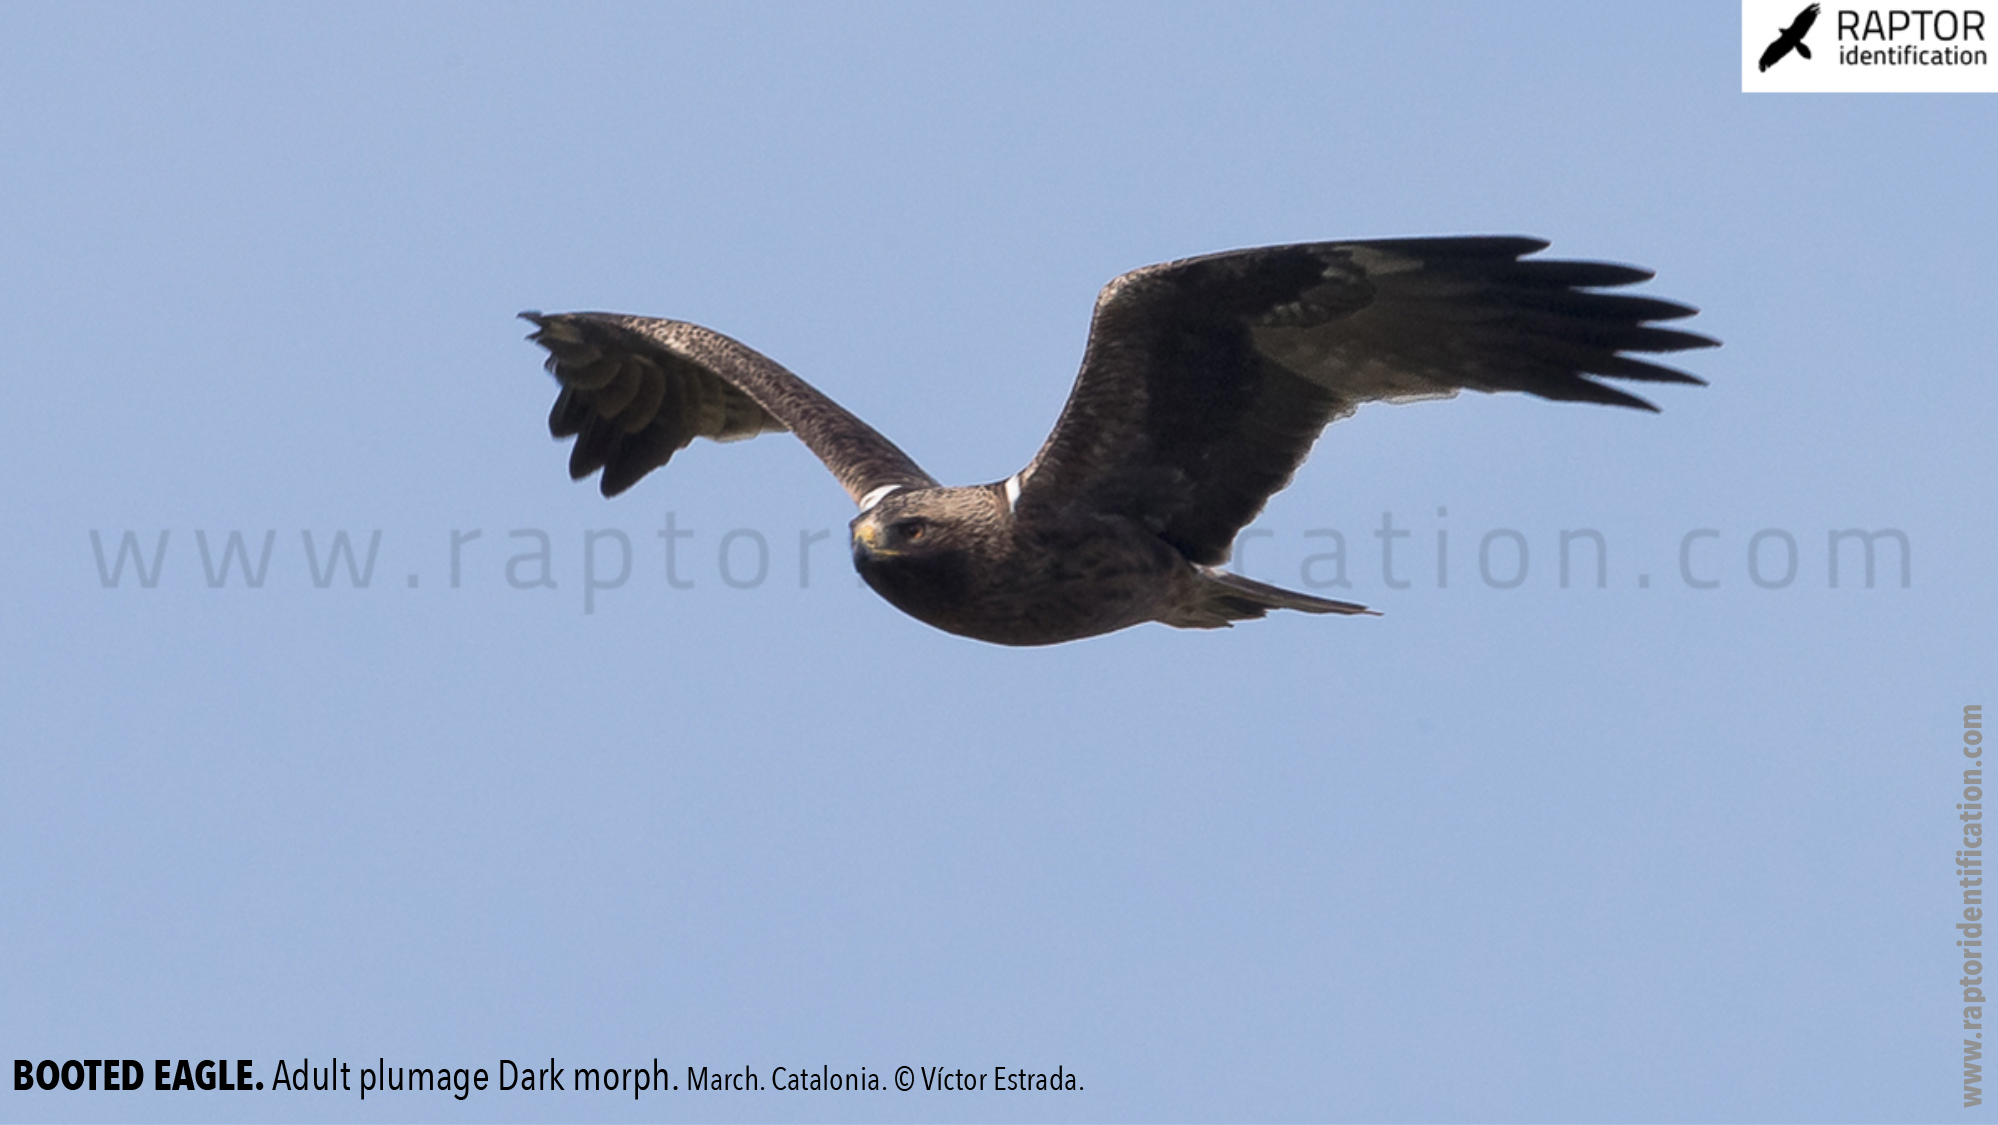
636 390
1207 380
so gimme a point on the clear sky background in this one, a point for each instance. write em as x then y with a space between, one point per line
1637 852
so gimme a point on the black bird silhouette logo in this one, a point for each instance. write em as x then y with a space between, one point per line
1792 38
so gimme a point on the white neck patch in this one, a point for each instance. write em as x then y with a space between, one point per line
1012 492
876 496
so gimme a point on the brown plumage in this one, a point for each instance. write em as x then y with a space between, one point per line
1203 387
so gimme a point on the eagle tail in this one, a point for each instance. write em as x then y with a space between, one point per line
1217 599
1803 50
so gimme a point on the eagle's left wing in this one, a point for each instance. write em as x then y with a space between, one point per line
1206 381
636 390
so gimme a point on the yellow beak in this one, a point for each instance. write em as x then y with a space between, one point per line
867 536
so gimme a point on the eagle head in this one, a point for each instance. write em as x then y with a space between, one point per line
921 548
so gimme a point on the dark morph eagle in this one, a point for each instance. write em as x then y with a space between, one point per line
1203 387
1791 38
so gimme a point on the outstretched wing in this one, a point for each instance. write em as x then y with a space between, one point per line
635 391
1206 381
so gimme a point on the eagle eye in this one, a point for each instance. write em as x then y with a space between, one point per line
912 530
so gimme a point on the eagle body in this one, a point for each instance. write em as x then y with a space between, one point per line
1204 385
958 559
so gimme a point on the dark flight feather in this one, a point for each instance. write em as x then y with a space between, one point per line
636 390
1206 381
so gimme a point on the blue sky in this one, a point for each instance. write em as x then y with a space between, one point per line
1641 851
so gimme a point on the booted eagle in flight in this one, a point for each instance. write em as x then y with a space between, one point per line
1203 387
